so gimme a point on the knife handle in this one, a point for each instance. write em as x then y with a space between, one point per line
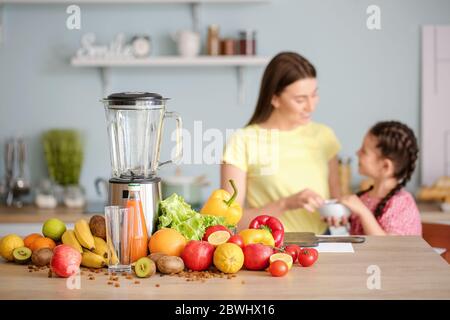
341 239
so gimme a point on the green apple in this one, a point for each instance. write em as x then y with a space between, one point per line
53 229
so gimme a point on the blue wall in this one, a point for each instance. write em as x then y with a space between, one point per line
364 76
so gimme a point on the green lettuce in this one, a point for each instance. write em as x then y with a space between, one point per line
175 213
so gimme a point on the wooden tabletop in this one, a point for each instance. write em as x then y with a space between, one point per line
409 269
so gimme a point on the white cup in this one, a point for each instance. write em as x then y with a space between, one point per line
188 43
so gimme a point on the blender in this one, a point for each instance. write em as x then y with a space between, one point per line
135 125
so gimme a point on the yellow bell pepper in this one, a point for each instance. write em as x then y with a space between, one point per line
220 203
262 236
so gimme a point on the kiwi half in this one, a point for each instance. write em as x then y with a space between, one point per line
22 255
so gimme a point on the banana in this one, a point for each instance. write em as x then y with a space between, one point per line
92 260
101 248
70 239
114 259
84 235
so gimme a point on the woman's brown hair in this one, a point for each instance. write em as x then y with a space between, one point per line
285 68
397 142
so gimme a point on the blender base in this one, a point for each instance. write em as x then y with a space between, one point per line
150 195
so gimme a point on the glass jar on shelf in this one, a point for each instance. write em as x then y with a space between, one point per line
46 197
247 42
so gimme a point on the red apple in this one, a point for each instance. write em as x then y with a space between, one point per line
237 239
293 250
65 261
198 255
215 228
257 256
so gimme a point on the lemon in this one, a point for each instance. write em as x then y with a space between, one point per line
283 257
218 237
228 258
8 244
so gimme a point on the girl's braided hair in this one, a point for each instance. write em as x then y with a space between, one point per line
397 142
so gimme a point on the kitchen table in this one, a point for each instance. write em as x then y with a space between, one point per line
408 269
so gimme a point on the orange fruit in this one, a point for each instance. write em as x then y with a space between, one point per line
168 241
43 242
29 239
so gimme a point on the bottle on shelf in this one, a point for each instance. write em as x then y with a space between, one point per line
247 42
213 42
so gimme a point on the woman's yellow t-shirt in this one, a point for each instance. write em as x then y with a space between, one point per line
281 163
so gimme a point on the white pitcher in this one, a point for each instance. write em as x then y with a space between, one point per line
188 43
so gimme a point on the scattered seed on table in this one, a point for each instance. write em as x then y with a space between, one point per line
242 282
106 273
30 270
157 285
110 282
113 274
137 282
129 277
117 285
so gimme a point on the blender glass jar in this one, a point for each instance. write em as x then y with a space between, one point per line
135 123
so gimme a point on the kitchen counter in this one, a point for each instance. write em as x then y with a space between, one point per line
32 214
409 269
430 212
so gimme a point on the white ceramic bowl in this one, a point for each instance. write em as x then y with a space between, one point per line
332 208
445 207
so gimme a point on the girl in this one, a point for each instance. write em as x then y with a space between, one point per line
283 163
388 155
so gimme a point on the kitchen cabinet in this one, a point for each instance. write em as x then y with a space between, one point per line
409 269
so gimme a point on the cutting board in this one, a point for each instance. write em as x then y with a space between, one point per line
309 239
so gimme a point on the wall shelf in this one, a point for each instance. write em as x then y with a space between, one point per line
104 65
238 62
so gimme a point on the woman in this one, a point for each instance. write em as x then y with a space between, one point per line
284 164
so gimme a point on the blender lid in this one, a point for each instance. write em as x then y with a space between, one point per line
131 100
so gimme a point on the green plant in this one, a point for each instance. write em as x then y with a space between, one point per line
63 151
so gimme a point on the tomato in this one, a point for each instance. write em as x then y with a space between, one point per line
307 256
293 250
237 239
278 268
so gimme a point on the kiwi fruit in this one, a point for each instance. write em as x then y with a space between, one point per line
170 264
22 255
42 257
144 268
156 256
97 225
